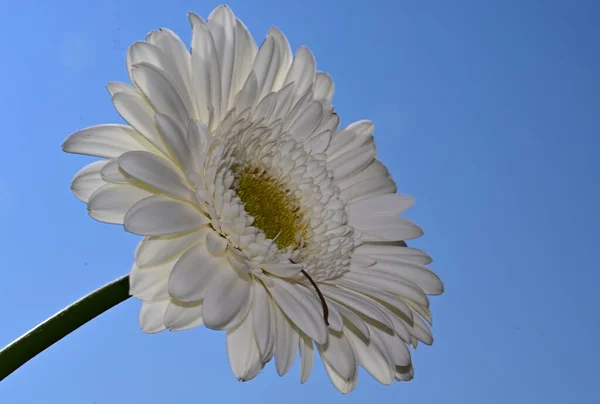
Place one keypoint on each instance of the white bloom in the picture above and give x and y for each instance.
(260, 217)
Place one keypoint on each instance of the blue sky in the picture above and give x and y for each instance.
(486, 112)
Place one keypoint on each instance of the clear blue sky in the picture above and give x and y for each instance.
(487, 112)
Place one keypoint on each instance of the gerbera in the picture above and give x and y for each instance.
(260, 217)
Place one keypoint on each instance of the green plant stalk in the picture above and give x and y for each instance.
(30, 344)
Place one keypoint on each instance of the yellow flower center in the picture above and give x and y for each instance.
(275, 209)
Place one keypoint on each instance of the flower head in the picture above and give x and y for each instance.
(260, 217)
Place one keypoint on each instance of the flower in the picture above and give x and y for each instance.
(259, 216)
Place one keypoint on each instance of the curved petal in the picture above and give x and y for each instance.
(157, 172)
(221, 23)
(391, 283)
(385, 228)
(152, 251)
(261, 318)
(227, 297)
(338, 381)
(393, 204)
(373, 357)
(242, 350)
(324, 88)
(152, 315)
(111, 173)
(283, 270)
(109, 141)
(150, 283)
(111, 202)
(177, 139)
(181, 316)
(193, 272)
(88, 180)
(339, 353)
(160, 92)
(286, 343)
(159, 215)
(139, 114)
(307, 357)
(304, 313)
(302, 71)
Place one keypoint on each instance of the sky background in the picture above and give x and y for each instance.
(487, 112)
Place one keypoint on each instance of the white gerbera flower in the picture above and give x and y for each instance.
(260, 217)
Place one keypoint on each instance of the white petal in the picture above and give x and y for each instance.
(390, 283)
(157, 250)
(375, 170)
(362, 261)
(336, 322)
(160, 92)
(284, 98)
(385, 228)
(373, 357)
(261, 318)
(152, 315)
(378, 294)
(307, 121)
(319, 142)
(177, 139)
(338, 381)
(283, 270)
(377, 251)
(216, 244)
(150, 283)
(157, 172)
(115, 87)
(301, 310)
(285, 56)
(397, 349)
(111, 202)
(367, 189)
(245, 53)
(420, 330)
(416, 273)
(139, 114)
(393, 204)
(353, 136)
(351, 162)
(160, 215)
(302, 71)
(198, 139)
(340, 355)
(111, 173)
(175, 61)
(108, 141)
(221, 23)
(88, 180)
(228, 296)
(193, 272)
(307, 357)
(183, 316)
(247, 96)
(286, 343)
(359, 303)
(206, 71)
(324, 88)
(143, 52)
(266, 66)
(242, 351)
(353, 318)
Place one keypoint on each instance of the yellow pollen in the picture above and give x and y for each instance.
(275, 210)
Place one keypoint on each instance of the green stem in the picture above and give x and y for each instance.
(18, 352)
